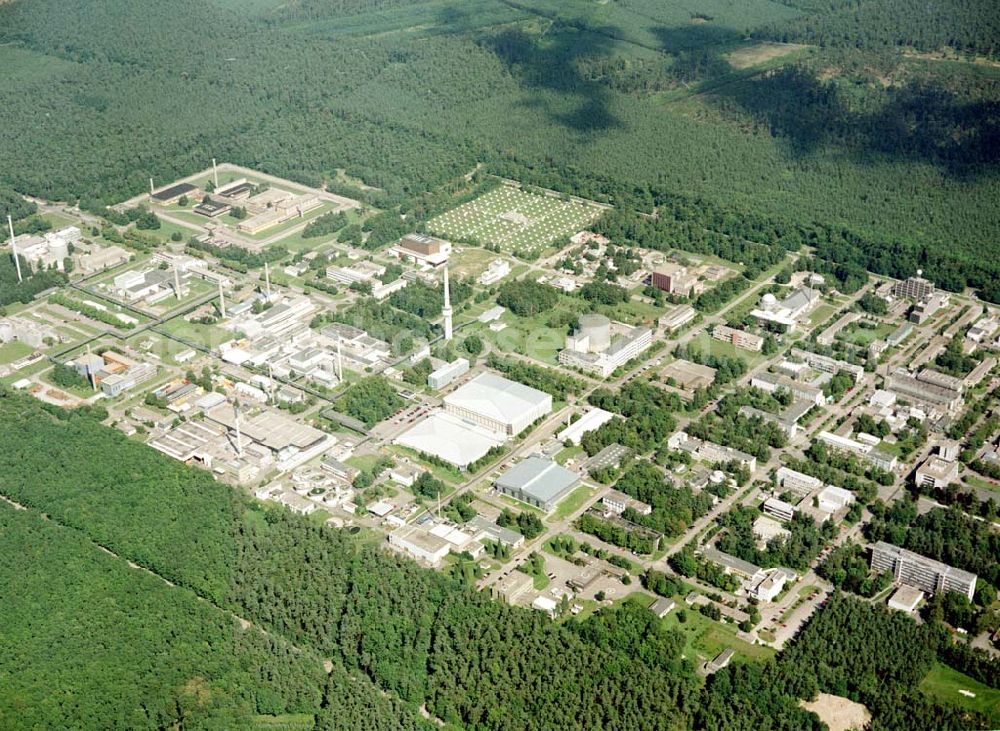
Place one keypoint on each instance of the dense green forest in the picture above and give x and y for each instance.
(398, 636)
(96, 644)
(967, 26)
(634, 102)
(418, 634)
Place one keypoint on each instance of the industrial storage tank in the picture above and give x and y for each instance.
(598, 329)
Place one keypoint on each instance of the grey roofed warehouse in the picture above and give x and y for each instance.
(538, 481)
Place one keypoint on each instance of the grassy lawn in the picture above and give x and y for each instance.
(209, 336)
(943, 683)
(471, 261)
(568, 453)
(9, 352)
(862, 336)
(971, 478)
(633, 312)
(530, 337)
(363, 462)
(571, 503)
(523, 507)
(821, 314)
(449, 475)
(704, 638)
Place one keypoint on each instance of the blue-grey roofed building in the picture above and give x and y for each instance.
(538, 481)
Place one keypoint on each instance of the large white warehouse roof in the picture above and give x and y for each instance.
(497, 398)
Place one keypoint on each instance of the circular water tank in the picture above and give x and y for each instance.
(598, 329)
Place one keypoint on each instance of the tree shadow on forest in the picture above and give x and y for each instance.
(918, 122)
(694, 37)
(549, 63)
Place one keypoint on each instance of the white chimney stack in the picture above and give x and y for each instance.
(13, 248)
(446, 310)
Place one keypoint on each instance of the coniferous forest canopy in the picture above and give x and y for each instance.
(139, 593)
(282, 596)
(878, 158)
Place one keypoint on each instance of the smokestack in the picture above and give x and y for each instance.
(239, 435)
(215, 173)
(13, 248)
(446, 310)
(151, 186)
(222, 301)
(267, 281)
(270, 380)
(340, 363)
(177, 282)
(90, 372)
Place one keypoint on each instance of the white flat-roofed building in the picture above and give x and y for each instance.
(788, 311)
(983, 329)
(905, 599)
(307, 360)
(420, 543)
(450, 438)
(767, 529)
(828, 365)
(876, 457)
(677, 318)
(447, 373)
(381, 291)
(484, 529)
(546, 604)
(498, 404)
(921, 572)
(618, 502)
(766, 586)
(832, 498)
(662, 607)
(497, 270)
(492, 314)
(593, 419)
(356, 345)
(844, 444)
(772, 382)
(778, 509)
(357, 273)
(937, 472)
(512, 587)
(710, 452)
